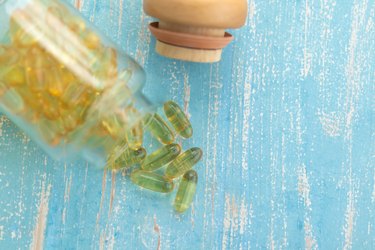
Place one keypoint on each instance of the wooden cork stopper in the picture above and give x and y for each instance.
(194, 30)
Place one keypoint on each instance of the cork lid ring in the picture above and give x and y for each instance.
(194, 30)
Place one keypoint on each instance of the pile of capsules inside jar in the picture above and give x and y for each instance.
(151, 174)
(47, 93)
(54, 80)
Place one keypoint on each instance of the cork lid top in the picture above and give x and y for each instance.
(220, 14)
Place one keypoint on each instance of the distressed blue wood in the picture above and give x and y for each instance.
(286, 121)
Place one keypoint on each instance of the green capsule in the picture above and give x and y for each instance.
(134, 136)
(186, 191)
(159, 129)
(178, 119)
(152, 181)
(183, 163)
(129, 158)
(161, 157)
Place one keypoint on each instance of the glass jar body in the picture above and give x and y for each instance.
(66, 85)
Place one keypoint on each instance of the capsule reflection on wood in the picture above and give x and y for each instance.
(183, 163)
(129, 158)
(178, 119)
(186, 191)
(151, 181)
(159, 129)
(161, 157)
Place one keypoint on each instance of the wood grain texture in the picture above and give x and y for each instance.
(286, 121)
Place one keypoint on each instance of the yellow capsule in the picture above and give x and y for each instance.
(151, 181)
(37, 64)
(13, 75)
(115, 126)
(186, 191)
(134, 136)
(159, 129)
(77, 25)
(129, 158)
(50, 106)
(18, 35)
(70, 120)
(178, 119)
(74, 94)
(183, 163)
(12, 101)
(91, 40)
(56, 87)
(161, 157)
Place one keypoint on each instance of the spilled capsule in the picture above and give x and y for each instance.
(178, 119)
(159, 129)
(183, 163)
(161, 157)
(186, 191)
(151, 181)
(129, 158)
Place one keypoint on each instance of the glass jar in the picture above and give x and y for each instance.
(68, 87)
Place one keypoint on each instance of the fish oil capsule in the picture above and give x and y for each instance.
(14, 75)
(129, 158)
(55, 86)
(159, 129)
(183, 163)
(186, 191)
(178, 119)
(134, 136)
(161, 157)
(92, 40)
(151, 181)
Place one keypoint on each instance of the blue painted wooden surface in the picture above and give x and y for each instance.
(286, 121)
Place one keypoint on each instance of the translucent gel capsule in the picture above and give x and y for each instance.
(134, 136)
(115, 126)
(178, 119)
(37, 64)
(14, 75)
(49, 106)
(183, 163)
(129, 158)
(92, 40)
(159, 129)
(161, 157)
(18, 36)
(54, 83)
(186, 191)
(152, 181)
(69, 120)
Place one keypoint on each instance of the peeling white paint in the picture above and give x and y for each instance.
(41, 219)
(304, 187)
(331, 123)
